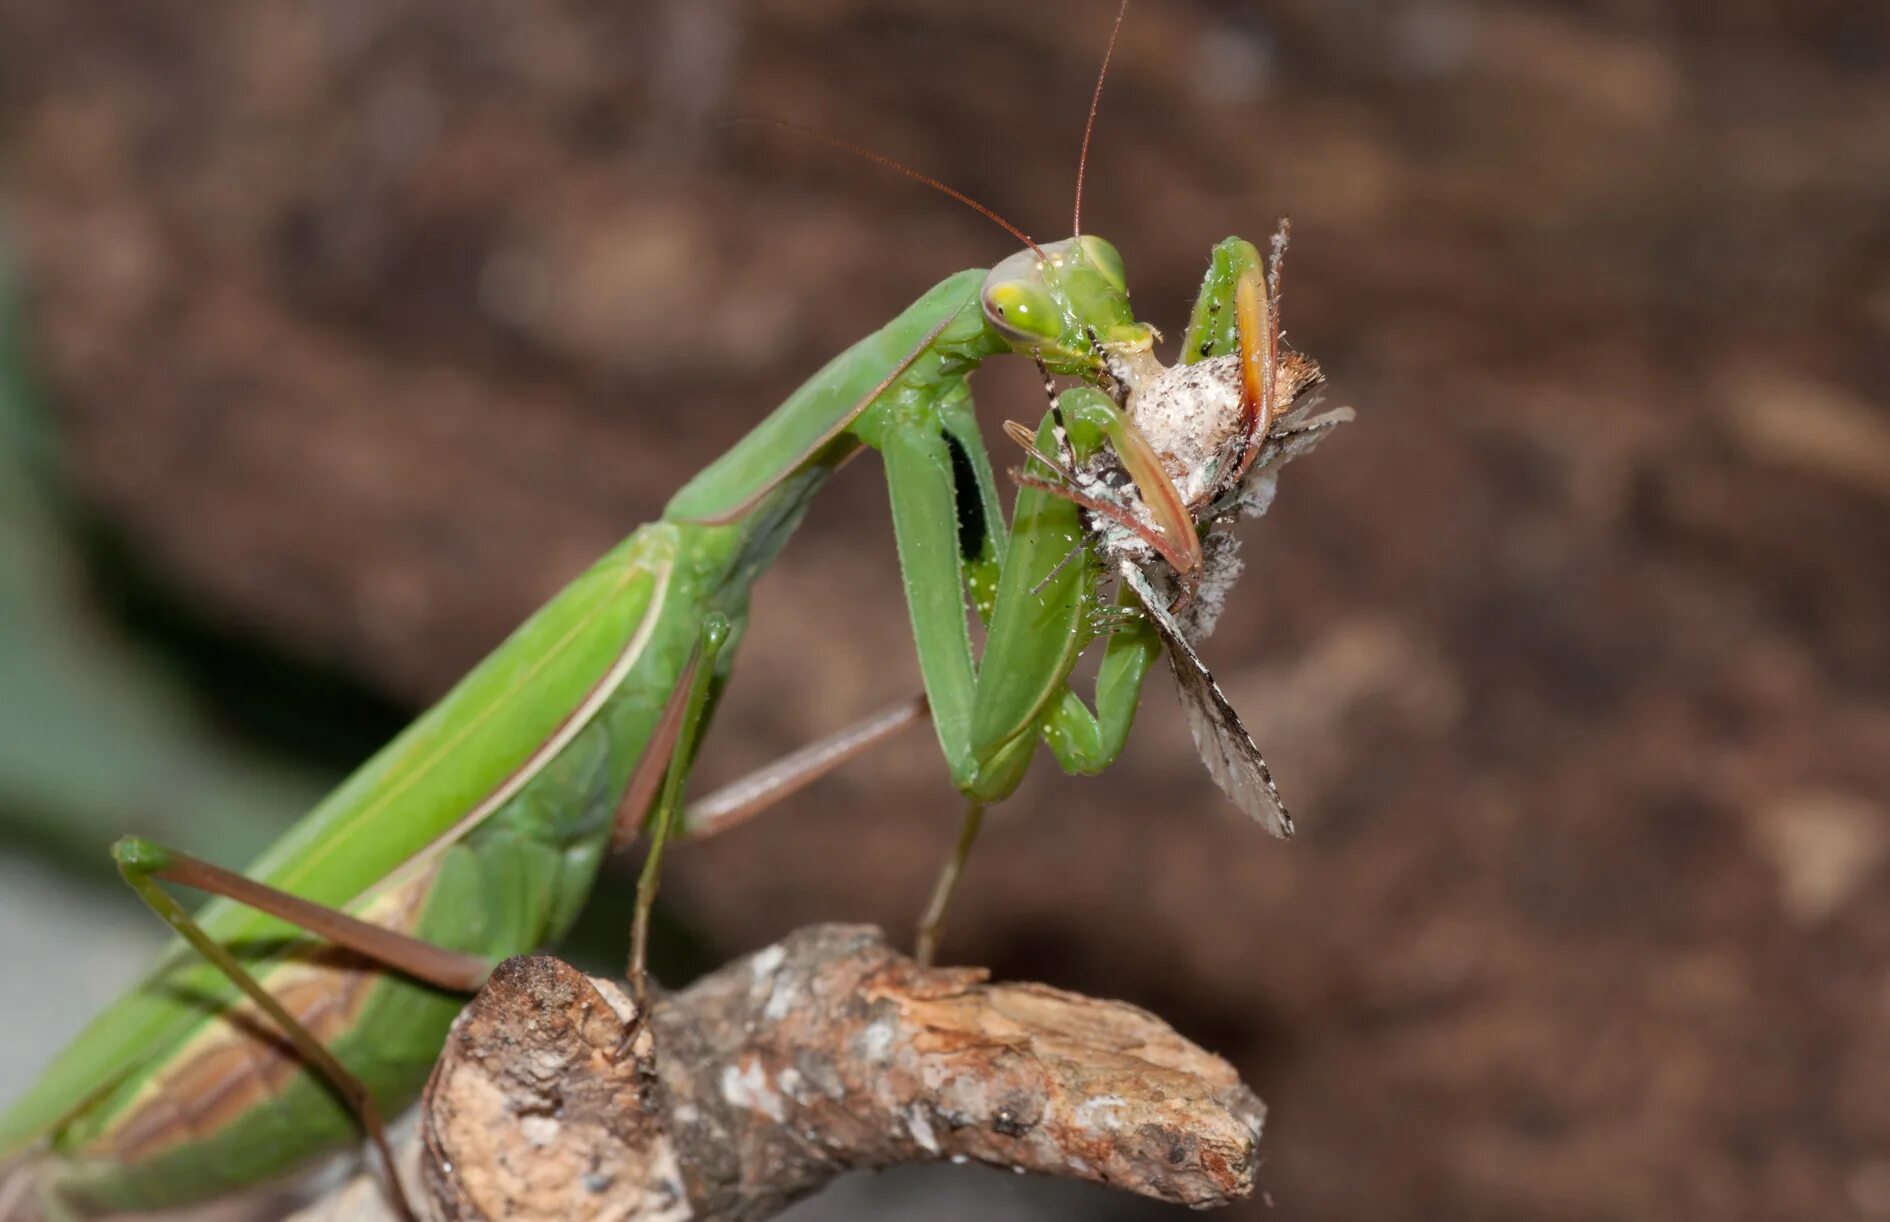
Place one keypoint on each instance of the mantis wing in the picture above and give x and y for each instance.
(478, 744)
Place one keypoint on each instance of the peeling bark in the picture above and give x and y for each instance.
(823, 1054)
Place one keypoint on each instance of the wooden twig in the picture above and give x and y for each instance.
(826, 1053)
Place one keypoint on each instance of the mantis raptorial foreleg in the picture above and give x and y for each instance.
(1086, 742)
(991, 713)
(1036, 608)
(921, 479)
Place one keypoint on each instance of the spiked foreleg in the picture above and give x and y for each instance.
(1086, 742)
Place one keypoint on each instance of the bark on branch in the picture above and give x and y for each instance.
(826, 1053)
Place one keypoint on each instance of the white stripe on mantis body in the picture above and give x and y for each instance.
(580, 717)
(339, 834)
(393, 902)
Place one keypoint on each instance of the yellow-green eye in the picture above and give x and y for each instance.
(1104, 258)
(1022, 309)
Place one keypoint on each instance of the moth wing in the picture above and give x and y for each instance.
(1225, 746)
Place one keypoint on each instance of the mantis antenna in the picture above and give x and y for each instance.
(898, 167)
(1089, 126)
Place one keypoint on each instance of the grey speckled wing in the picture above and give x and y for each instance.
(1226, 748)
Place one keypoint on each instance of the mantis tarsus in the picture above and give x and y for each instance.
(477, 833)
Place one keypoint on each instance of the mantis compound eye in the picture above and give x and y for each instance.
(1102, 256)
(1054, 300)
(1023, 310)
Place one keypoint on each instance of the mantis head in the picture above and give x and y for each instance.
(1067, 302)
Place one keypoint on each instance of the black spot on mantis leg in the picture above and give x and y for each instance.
(965, 495)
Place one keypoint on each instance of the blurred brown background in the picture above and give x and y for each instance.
(360, 326)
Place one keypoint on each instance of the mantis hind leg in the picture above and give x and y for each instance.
(142, 864)
(748, 796)
(16, 1181)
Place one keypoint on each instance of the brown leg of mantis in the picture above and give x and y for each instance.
(143, 863)
(14, 1187)
(742, 799)
(447, 969)
(932, 924)
(633, 812)
(734, 803)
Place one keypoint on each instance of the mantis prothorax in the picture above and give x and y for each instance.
(477, 833)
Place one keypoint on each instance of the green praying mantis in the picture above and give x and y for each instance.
(311, 996)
